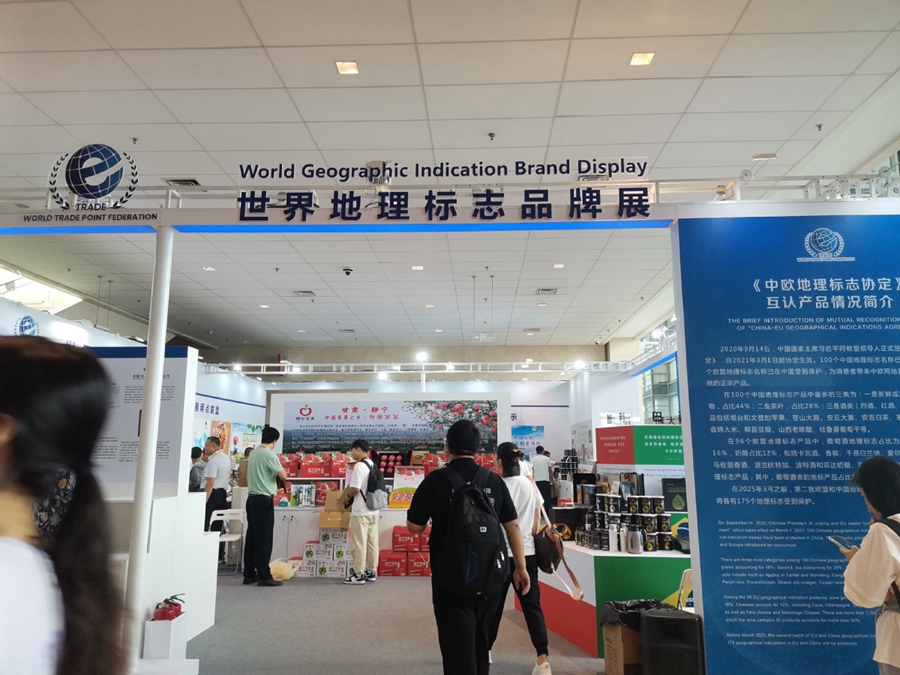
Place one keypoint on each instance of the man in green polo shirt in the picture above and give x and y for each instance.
(262, 470)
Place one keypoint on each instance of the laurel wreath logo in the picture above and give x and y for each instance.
(64, 203)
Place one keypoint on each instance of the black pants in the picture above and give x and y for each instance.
(218, 501)
(543, 487)
(531, 608)
(463, 631)
(258, 543)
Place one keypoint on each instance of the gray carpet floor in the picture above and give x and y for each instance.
(313, 626)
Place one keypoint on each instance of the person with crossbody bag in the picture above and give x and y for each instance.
(873, 568)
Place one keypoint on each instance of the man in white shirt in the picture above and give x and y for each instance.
(363, 522)
(217, 474)
(542, 469)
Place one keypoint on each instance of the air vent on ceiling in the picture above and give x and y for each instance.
(546, 291)
(532, 330)
(346, 330)
(592, 177)
(305, 294)
(183, 182)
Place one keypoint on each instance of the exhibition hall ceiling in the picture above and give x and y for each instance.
(193, 90)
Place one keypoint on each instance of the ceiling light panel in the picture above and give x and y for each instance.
(641, 58)
(347, 67)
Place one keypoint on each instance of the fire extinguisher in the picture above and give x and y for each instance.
(169, 609)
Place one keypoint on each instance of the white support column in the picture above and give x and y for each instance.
(423, 379)
(146, 463)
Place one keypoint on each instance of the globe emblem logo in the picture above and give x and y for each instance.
(26, 326)
(90, 162)
(824, 243)
(93, 173)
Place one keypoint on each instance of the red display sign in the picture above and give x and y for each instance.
(615, 445)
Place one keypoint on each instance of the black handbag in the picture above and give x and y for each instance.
(549, 552)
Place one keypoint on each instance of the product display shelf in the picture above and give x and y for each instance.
(606, 576)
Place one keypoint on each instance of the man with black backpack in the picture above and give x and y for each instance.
(365, 484)
(472, 517)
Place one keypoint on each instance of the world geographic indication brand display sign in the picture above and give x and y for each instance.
(791, 343)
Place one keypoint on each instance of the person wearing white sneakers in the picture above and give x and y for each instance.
(363, 521)
(525, 497)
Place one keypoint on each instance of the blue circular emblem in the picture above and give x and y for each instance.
(90, 162)
(26, 326)
(825, 241)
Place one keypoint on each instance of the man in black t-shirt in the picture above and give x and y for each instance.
(463, 623)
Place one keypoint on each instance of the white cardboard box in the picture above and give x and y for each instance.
(342, 553)
(333, 535)
(331, 569)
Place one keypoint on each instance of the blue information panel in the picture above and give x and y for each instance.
(792, 333)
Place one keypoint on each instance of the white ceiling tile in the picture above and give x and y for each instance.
(885, 59)
(46, 26)
(751, 126)
(379, 66)
(618, 18)
(203, 68)
(694, 172)
(609, 59)
(509, 133)
(853, 92)
(151, 137)
(792, 152)
(4, 88)
(774, 94)
(169, 24)
(493, 62)
(360, 103)
(163, 163)
(640, 151)
(611, 129)
(777, 16)
(491, 100)
(285, 136)
(477, 21)
(230, 105)
(798, 54)
(711, 154)
(829, 120)
(102, 107)
(232, 161)
(372, 135)
(626, 97)
(69, 71)
(15, 109)
(37, 140)
(310, 22)
(14, 183)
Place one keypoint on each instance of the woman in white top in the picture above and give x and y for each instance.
(875, 565)
(524, 496)
(61, 610)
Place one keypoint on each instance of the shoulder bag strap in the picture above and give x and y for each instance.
(368, 463)
(894, 526)
(557, 539)
(452, 475)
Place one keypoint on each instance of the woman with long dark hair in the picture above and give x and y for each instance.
(509, 461)
(873, 568)
(61, 609)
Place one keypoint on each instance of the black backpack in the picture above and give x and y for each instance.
(473, 561)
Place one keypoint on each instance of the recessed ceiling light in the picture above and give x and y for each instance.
(524, 379)
(396, 366)
(529, 333)
(438, 330)
(259, 378)
(237, 367)
(579, 364)
(418, 268)
(450, 366)
(264, 307)
(542, 304)
(525, 365)
(641, 58)
(529, 360)
(301, 331)
(763, 156)
(558, 266)
(429, 306)
(347, 67)
(209, 269)
(295, 369)
(382, 376)
(422, 357)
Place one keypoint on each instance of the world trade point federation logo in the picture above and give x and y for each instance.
(93, 173)
(26, 325)
(824, 245)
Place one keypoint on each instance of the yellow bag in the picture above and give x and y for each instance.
(282, 570)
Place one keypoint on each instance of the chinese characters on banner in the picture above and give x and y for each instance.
(443, 205)
(792, 355)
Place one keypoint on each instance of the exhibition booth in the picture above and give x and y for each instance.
(785, 364)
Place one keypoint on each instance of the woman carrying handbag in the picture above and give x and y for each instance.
(526, 499)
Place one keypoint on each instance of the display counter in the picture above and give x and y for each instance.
(605, 576)
(296, 525)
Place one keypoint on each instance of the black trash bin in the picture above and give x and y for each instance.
(621, 622)
(672, 643)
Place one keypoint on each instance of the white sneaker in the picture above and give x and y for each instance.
(370, 577)
(354, 580)
(543, 669)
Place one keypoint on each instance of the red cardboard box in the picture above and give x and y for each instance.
(404, 540)
(418, 564)
(392, 564)
(423, 540)
(337, 465)
(431, 463)
(313, 466)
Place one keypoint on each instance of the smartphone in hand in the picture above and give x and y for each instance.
(840, 541)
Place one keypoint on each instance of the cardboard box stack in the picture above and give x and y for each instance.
(407, 556)
(329, 556)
